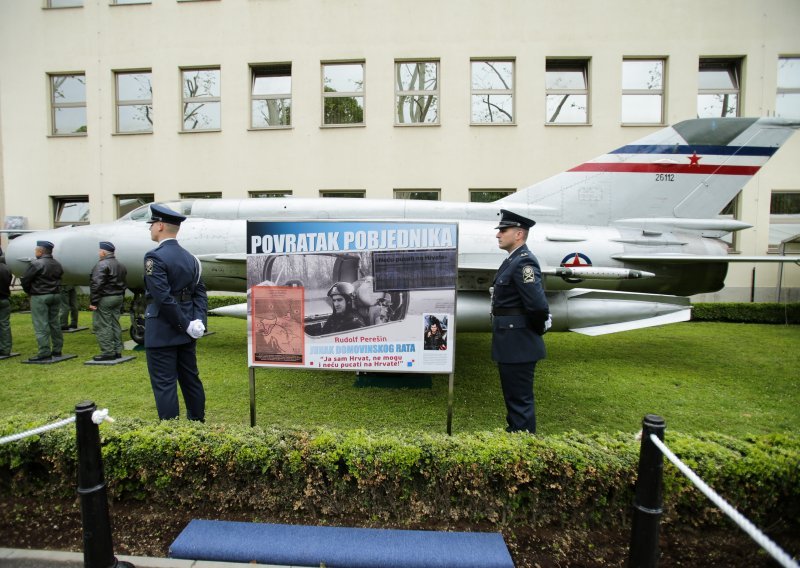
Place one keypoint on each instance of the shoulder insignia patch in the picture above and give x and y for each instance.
(148, 267)
(523, 254)
(528, 275)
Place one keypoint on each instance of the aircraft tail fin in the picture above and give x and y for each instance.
(689, 170)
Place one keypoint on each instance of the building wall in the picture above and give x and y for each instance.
(378, 157)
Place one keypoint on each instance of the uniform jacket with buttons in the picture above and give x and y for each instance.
(518, 288)
(107, 279)
(43, 276)
(175, 293)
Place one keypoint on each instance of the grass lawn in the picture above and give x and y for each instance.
(733, 378)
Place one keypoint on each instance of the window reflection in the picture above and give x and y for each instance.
(642, 91)
(70, 211)
(784, 216)
(134, 102)
(342, 88)
(492, 99)
(417, 92)
(68, 104)
(787, 101)
(271, 104)
(201, 99)
(718, 82)
(566, 99)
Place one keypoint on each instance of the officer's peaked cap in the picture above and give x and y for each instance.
(160, 213)
(45, 244)
(511, 219)
(106, 245)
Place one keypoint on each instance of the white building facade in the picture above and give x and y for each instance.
(105, 104)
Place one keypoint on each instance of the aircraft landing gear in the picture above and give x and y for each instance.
(138, 306)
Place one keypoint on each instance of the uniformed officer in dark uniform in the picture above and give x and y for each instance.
(41, 282)
(107, 285)
(345, 317)
(520, 316)
(5, 307)
(175, 317)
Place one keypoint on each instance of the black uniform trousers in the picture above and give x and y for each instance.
(168, 365)
(516, 380)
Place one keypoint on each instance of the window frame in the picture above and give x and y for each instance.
(143, 199)
(118, 104)
(199, 195)
(275, 194)
(414, 93)
(343, 193)
(398, 194)
(568, 63)
(362, 94)
(55, 106)
(185, 101)
(661, 92)
(255, 68)
(473, 92)
(793, 92)
(735, 64)
(76, 4)
(781, 218)
(473, 191)
(58, 204)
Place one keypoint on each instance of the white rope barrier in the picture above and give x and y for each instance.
(98, 417)
(763, 540)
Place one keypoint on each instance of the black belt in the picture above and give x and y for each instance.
(183, 297)
(509, 312)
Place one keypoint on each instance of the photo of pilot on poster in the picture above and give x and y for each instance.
(352, 295)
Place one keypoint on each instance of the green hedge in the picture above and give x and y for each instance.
(747, 313)
(404, 479)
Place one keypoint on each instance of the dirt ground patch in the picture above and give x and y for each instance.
(147, 529)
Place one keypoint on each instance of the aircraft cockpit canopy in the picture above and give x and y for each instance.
(142, 214)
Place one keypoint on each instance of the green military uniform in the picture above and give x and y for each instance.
(5, 309)
(41, 282)
(106, 293)
(69, 307)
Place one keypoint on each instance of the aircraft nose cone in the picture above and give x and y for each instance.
(20, 252)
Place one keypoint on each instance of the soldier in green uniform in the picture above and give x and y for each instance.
(5, 308)
(106, 293)
(41, 282)
(69, 308)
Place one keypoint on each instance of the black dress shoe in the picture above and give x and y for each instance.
(104, 357)
(64, 327)
(40, 358)
(56, 353)
(73, 326)
(118, 355)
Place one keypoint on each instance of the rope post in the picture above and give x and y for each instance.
(648, 500)
(97, 548)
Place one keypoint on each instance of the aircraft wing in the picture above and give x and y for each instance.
(702, 259)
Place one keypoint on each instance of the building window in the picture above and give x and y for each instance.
(643, 91)
(718, 94)
(787, 102)
(271, 94)
(70, 211)
(567, 91)
(492, 92)
(68, 104)
(732, 211)
(416, 92)
(351, 193)
(134, 101)
(201, 99)
(202, 195)
(119, 2)
(418, 194)
(784, 217)
(488, 195)
(128, 203)
(342, 93)
(270, 194)
(64, 3)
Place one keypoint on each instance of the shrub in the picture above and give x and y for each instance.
(401, 479)
(747, 313)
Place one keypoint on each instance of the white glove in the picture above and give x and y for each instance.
(549, 323)
(196, 329)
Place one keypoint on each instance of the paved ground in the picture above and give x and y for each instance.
(23, 558)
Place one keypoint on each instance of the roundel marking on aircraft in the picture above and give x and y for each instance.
(575, 260)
